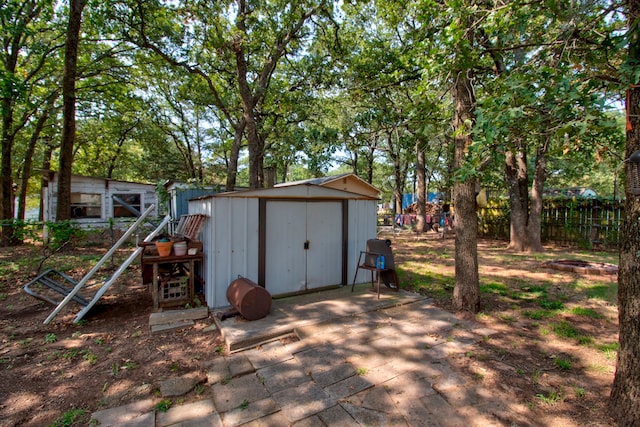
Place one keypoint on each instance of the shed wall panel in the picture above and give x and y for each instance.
(362, 227)
(230, 244)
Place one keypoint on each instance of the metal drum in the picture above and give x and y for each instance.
(253, 302)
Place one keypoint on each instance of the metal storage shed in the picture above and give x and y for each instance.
(289, 239)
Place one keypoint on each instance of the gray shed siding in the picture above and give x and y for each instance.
(230, 244)
(231, 241)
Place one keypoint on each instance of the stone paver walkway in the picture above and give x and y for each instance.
(380, 368)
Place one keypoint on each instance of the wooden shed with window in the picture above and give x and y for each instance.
(290, 239)
(94, 201)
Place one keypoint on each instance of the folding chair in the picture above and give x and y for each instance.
(368, 260)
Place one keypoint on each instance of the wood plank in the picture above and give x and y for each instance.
(172, 316)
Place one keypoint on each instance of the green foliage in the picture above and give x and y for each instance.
(564, 329)
(59, 233)
(586, 312)
(551, 397)
(163, 405)
(538, 314)
(70, 418)
(564, 364)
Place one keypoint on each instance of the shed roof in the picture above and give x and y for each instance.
(297, 191)
(346, 182)
(51, 176)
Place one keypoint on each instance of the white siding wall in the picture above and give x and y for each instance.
(82, 184)
(362, 227)
(230, 243)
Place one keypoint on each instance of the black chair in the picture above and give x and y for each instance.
(368, 260)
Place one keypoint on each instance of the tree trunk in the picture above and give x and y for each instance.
(534, 241)
(466, 293)
(232, 167)
(6, 181)
(63, 211)
(625, 393)
(517, 176)
(44, 181)
(28, 157)
(421, 221)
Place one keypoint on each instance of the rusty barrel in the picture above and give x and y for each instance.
(253, 302)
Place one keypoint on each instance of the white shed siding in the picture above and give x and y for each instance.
(230, 243)
(231, 237)
(362, 227)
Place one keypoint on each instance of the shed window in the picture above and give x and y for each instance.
(122, 211)
(85, 205)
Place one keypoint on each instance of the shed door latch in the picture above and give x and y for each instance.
(306, 245)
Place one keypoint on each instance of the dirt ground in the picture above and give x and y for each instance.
(57, 374)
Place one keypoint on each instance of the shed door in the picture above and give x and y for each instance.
(303, 246)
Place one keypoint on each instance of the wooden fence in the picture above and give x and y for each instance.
(588, 223)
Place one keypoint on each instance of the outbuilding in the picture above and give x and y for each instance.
(95, 201)
(290, 239)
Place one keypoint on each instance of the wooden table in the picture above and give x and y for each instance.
(187, 267)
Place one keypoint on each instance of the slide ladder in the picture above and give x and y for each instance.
(71, 294)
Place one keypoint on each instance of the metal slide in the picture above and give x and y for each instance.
(104, 259)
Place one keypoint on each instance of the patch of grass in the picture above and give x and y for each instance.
(607, 292)
(175, 367)
(610, 350)
(538, 314)
(427, 283)
(244, 405)
(3, 296)
(579, 392)
(361, 371)
(536, 376)
(50, 338)
(163, 405)
(535, 291)
(551, 305)
(586, 312)
(89, 356)
(71, 354)
(494, 288)
(551, 397)
(507, 318)
(585, 340)
(564, 364)
(564, 329)
(69, 418)
(129, 365)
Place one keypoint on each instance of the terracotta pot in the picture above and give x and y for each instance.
(164, 248)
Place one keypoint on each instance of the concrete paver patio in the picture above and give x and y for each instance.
(359, 361)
